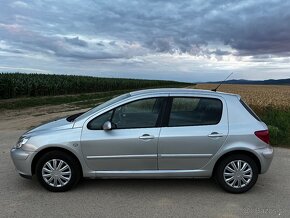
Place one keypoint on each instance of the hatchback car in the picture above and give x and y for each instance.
(155, 133)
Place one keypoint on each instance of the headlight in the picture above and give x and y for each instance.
(21, 141)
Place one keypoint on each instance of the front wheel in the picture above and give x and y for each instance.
(237, 173)
(57, 171)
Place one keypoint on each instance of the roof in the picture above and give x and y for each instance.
(179, 91)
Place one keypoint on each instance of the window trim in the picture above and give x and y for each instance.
(168, 111)
(250, 110)
(159, 120)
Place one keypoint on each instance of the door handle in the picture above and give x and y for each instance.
(146, 137)
(215, 135)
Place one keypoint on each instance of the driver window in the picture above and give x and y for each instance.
(138, 114)
(97, 123)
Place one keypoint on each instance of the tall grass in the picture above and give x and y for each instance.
(278, 121)
(29, 85)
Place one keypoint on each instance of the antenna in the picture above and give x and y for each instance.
(221, 83)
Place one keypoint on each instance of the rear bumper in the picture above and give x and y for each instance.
(265, 156)
(22, 161)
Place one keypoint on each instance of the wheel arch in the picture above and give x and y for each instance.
(45, 150)
(245, 152)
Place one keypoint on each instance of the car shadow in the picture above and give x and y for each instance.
(149, 185)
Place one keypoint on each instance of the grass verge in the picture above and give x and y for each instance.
(278, 121)
(78, 100)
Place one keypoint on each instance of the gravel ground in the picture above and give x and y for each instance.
(142, 198)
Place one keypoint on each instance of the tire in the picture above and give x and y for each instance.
(58, 171)
(247, 176)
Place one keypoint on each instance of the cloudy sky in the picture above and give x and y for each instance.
(193, 40)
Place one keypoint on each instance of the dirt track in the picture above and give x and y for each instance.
(30, 117)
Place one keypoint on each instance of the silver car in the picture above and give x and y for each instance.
(156, 133)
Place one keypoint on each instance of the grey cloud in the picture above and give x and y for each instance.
(250, 27)
(161, 45)
(65, 47)
(20, 4)
(76, 41)
(100, 44)
(220, 52)
(113, 43)
(127, 30)
(253, 27)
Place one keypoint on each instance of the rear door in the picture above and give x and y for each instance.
(195, 129)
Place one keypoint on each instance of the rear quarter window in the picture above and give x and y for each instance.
(250, 110)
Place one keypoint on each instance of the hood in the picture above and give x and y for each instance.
(53, 125)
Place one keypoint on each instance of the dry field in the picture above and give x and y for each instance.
(258, 95)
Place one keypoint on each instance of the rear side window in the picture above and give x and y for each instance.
(194, 111)
(250, 110)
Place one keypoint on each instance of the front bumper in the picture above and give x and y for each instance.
(265, 156)
(22, 161)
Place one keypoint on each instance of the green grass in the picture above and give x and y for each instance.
(79, 100)
(278, 121)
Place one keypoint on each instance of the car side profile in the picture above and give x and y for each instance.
(154, 133)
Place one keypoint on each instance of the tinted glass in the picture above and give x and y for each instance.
(97, 123)
(138, 114)
(195, 111)
(103, 105)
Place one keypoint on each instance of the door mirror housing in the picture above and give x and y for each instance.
(107, 125)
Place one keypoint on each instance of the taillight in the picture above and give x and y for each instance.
(263, 135)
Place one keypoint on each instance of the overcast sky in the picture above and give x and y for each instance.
(195, 40)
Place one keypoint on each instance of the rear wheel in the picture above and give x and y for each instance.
(237, 173)
(57, 171)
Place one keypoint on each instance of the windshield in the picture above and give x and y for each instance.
(101, 106)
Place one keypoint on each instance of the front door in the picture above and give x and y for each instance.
(132, 142)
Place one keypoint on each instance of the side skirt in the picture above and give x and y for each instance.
(152, 174)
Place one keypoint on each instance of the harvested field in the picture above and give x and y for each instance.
(258, 95)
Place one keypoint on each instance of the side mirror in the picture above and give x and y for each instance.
(107, 125)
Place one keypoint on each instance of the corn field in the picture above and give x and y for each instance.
(19, 85)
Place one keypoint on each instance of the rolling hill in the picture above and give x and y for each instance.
(257, 82)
